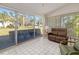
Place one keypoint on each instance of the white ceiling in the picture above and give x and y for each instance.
(68, 8)
(34, 8)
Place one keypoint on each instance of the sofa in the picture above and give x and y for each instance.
(58, 35)
(69, 50)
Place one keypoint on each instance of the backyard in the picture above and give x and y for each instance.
(5, 31)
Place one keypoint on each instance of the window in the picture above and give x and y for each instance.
(71, 23)
(7, 24)
(15, 27)
(7, 20)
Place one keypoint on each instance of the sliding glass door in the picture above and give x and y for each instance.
(39, 24)
(25, 29)
(7, 24)
(71, 22)
(16, 27)
(28, 27)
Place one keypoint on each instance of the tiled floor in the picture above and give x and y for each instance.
(38, 46)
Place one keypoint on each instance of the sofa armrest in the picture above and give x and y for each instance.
(68, 41)
(50, 33)
(63, 49)
(65, 41)
(73, 53)
(72, 41)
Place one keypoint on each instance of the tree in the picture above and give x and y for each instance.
(73, 24)
(5, 17)
(76, 25)
(21, 19)
(12, 16)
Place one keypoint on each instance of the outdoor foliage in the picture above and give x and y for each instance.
(74, 25)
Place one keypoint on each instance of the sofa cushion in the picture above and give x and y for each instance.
(70, 48)
(52, 37)
(64, 34)
(76, 45)
(73, 53)
(59, 31)
(65, 50)
(50, 34)
(60, 38)
(54, 32)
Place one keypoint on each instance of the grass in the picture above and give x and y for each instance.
(5, 31)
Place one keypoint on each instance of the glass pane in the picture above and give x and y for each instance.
(70, 22)
(39, 24)
(25, 28)
(7, 25)
(76, 25)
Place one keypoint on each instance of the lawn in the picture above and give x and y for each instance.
(5, 31)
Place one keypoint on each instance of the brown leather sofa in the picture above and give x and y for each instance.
(58, 35)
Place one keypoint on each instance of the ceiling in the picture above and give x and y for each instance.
(33, 8)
